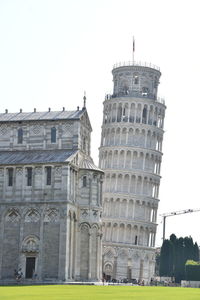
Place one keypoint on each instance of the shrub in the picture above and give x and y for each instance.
(192, 270)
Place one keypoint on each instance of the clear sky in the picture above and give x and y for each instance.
(53, 51)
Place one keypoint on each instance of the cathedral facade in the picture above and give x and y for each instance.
(130, 155)
(50, 197)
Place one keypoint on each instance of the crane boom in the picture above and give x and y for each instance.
(175, 213)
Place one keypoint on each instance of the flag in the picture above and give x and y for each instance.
(133, 45)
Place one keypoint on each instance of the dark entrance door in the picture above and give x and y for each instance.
(30, 266)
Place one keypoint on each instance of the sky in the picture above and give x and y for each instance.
(51, 51)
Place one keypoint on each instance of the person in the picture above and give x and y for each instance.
(18, 274)
(34, 275)
(142, 282)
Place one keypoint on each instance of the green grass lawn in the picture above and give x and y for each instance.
(69, 292)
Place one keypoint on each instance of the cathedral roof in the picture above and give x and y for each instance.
(35, 116)
(88, 164)
(35, 156)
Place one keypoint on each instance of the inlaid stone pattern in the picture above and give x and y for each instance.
(50, 198)
(36, 129)
(4, 129)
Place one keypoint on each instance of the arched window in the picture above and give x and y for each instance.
(136, 240)
(84, 143)
(144, 115)
(84, 181)
(145, 91)
(119, 113)
(20, 136)
(48, 175)
(53, 135)
(10, 177)
(136, 80)
(29, 176)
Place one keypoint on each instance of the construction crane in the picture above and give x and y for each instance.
(175, 213)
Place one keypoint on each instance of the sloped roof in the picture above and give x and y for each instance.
(87, 163)
(35, 156)
(35, 116)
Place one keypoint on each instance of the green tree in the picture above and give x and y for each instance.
(166, 259)
(196, 252)
(174, 254)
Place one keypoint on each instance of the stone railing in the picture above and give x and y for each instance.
(134, 63)
(136, 94)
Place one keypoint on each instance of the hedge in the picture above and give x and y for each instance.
(192, 270)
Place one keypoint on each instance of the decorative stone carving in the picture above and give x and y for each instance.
(109, 255)
(51, 215)
(95, 213)
(108, 269)
(3, 129)
(36, 129)
(68, 128)
(13, 216)
(30, 244)
(38, 171)
(32, 216)
(19, 171)
(58, 171)
(84, 228)
(84, 213)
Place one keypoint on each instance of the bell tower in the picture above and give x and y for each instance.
(130, 155)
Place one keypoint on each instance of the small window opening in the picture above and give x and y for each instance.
(84, 143)
(145, 91)
(144, 115)
(29, 176)
(48, 175)
(124, 112)
(10, 177)
(136, 240)
(20, 136)
(136, 80)
(53, 135)
(84, 181)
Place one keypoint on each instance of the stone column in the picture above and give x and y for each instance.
(40, 256)
(74, 249)
(62, 247)
(90, 256)
(21, 234)
(1, 242)
(68, 247)
(99, 256)
(141, 269)
(71, 246)
(78, 253)
(115, 267)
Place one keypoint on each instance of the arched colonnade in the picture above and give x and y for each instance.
(151, 114)
(130, 159)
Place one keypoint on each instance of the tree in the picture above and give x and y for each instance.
(166, 259)
(196, 252)
(174, 254)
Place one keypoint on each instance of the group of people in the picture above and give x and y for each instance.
(18, 274)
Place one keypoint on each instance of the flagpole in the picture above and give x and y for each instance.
(133, 48)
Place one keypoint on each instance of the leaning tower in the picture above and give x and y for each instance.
(130, 155)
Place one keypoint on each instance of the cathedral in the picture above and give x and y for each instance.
(65, 219)
(50, 197)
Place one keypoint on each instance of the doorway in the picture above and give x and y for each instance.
(30, 266)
